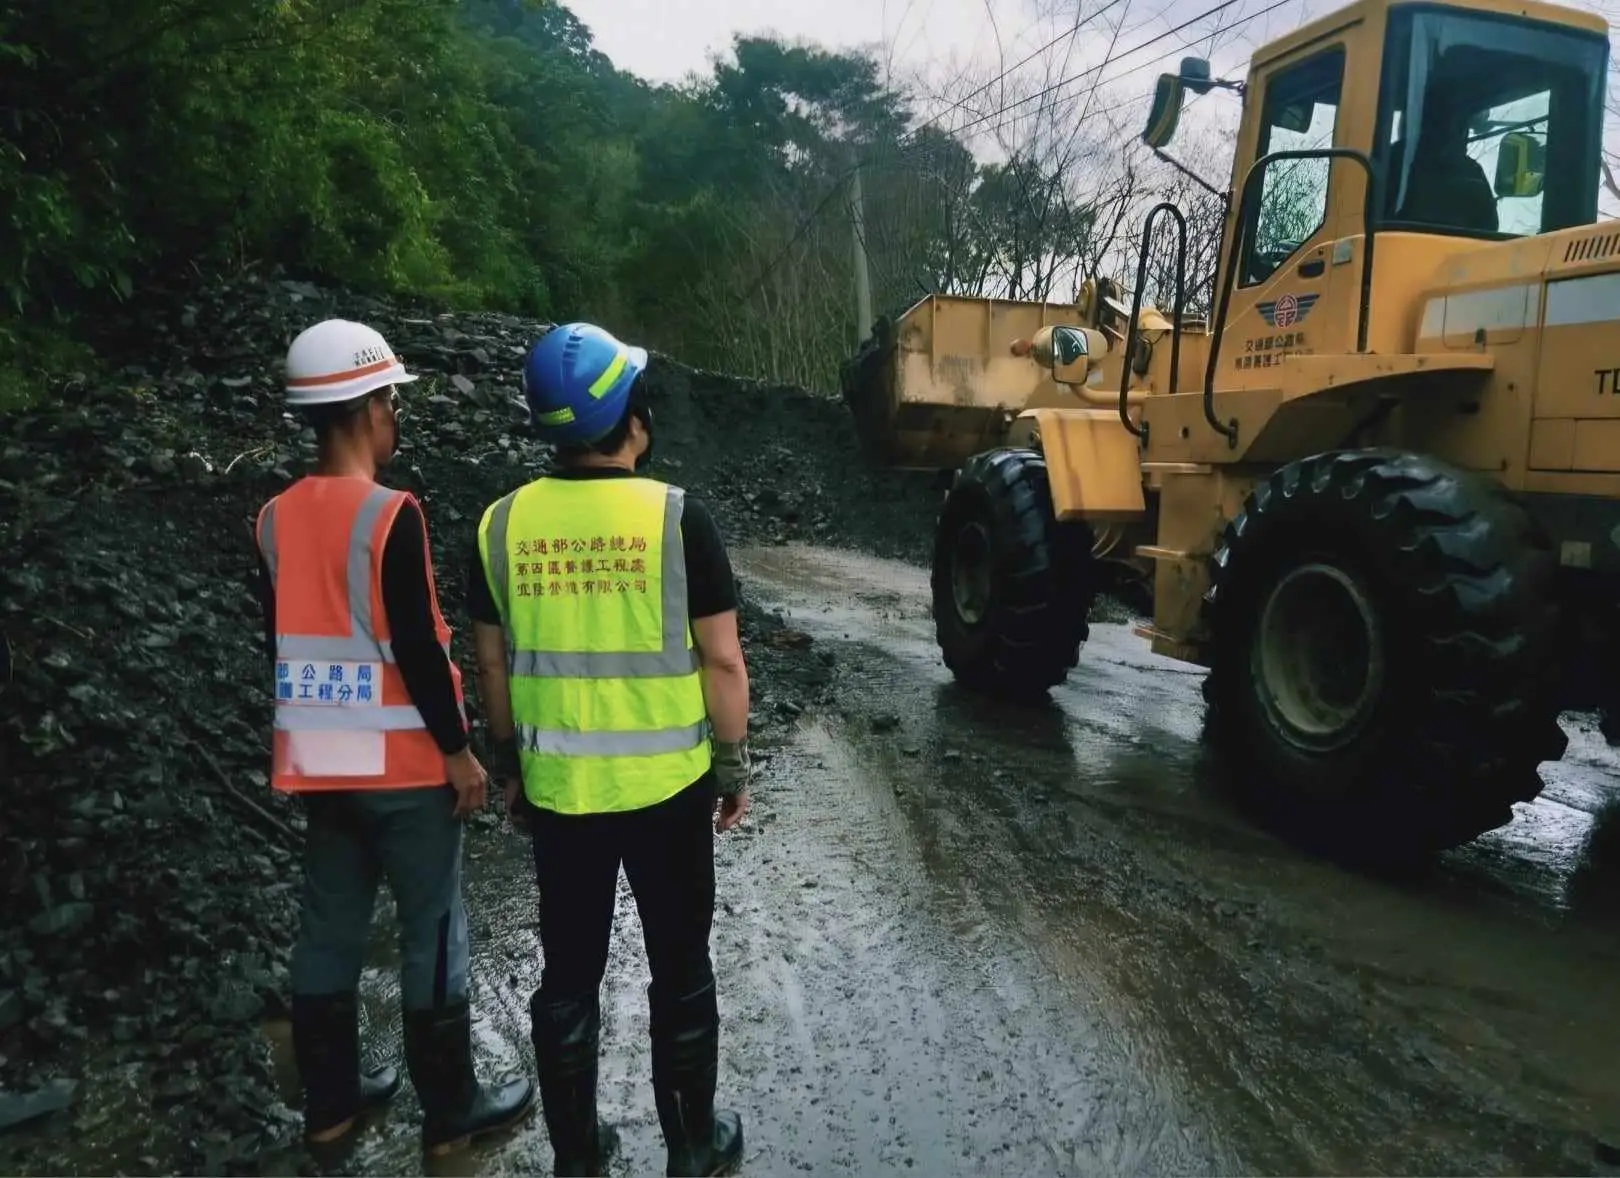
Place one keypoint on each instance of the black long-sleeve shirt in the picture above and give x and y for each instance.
(422, 662)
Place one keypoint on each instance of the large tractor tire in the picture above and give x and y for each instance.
(1384, 652)
(1012, 587)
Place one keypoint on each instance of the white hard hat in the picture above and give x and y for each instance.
(337, 360)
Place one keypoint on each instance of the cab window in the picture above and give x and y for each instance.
(1300, 113)
(1490, 126)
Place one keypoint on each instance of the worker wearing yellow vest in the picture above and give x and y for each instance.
(605, 619)
(370, 732)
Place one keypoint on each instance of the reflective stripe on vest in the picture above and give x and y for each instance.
(364, 733)
(360, 646)
(610, 744)
(604, 726)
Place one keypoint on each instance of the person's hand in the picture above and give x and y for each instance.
(731, 809)
(468, 779)
(514, 803)
(733, 772)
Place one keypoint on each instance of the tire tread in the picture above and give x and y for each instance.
(1479, 578)
(1044, 585)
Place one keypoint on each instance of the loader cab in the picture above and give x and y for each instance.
(1488, 126)
(1480, 121)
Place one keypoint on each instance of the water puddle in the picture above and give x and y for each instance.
(1327, 1020)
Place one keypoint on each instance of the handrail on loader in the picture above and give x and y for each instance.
(1136, 309)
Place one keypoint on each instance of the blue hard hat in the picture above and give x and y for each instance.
(576, 382)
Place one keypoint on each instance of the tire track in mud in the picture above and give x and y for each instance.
(997, 1067)
(873, 1021)
(1323, 1021)
(996, 940)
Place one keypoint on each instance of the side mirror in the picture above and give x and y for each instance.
(1521, 165)
(1072, 353)
(1168, 94)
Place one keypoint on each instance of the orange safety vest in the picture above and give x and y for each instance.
(343, 719)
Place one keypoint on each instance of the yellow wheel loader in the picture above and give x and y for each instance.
(1379, 489)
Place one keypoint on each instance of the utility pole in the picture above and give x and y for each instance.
(863, 279)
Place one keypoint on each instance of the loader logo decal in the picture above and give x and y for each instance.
(1287, 310)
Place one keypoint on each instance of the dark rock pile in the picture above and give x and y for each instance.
(147, 873)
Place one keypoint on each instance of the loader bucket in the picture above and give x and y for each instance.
(939, 384)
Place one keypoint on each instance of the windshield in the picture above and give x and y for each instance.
(1490, 126)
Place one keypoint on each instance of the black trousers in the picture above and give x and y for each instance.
(667, 852)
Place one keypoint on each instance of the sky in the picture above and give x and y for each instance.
(664, 39)
(949, 46)
(941, 50)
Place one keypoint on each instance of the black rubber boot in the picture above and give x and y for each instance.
(326, 1046)
(456, 1108)
(566, 1037)
(685, 1068)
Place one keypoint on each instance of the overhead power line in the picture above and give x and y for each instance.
(1140, 99)
(798, 234)
(909, 140)
(1069, 81)
(1070, 33)
(1091, 94)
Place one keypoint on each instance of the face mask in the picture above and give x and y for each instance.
(393, 428)
(645, 459)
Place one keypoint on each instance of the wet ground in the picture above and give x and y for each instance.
(960, 938)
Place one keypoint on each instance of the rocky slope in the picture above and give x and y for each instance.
(147, 873)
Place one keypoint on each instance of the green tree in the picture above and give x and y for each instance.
(484, 153)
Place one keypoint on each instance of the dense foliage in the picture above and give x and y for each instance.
(483, 153)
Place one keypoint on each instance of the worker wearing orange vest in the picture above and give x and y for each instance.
(371, 734)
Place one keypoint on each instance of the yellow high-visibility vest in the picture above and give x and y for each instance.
(589, 576)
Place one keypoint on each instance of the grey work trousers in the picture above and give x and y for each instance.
(355, 838)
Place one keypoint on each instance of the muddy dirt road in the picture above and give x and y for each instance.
(957, 938)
